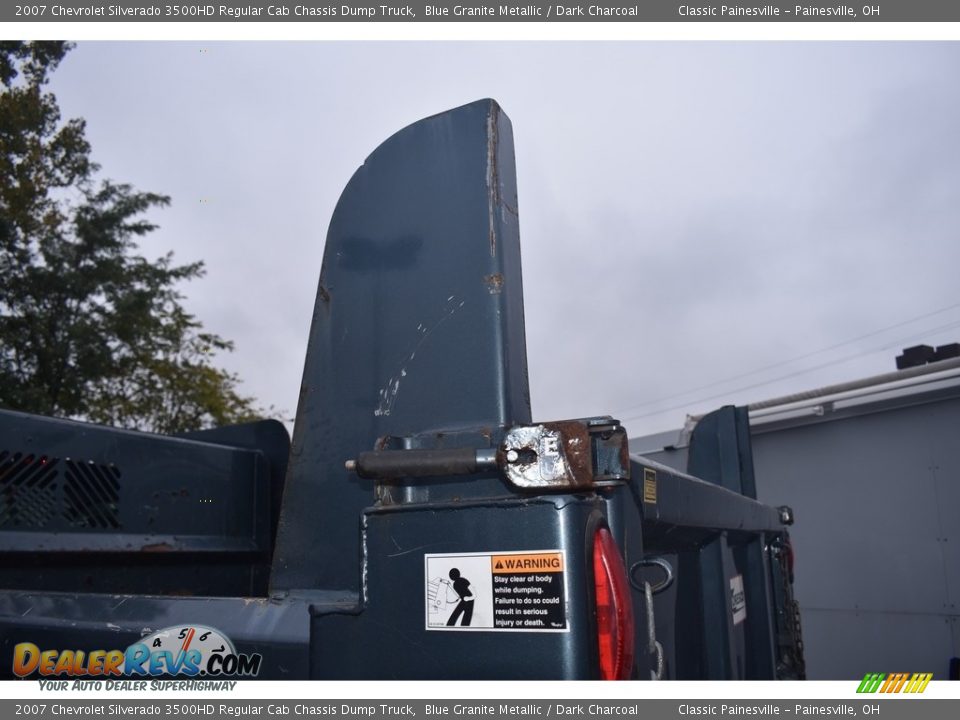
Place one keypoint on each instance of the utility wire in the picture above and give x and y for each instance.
(887, 346)
(781, 363)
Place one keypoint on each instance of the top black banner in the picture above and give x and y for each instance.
(480, 11)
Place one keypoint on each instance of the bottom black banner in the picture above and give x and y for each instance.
(901, 708)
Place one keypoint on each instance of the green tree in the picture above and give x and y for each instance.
(89, 328)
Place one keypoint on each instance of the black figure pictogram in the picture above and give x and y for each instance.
(461, 586)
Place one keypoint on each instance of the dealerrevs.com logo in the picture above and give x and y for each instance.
(190, 650)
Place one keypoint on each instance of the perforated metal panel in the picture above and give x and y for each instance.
(28, 490)
(91, 495)
(43, 492)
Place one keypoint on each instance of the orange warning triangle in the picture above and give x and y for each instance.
(499, 565)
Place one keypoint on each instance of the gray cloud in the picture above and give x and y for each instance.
(716, 207)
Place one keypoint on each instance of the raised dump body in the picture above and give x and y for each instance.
(428, 528)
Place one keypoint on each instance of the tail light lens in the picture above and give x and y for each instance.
(615, 629)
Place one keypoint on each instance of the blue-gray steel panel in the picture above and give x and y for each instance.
(277, 630)
(418, 326)
(386, 638)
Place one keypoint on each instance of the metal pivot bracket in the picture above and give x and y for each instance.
(568, 454)
(564, 455)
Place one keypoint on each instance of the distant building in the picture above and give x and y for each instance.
(872, 471)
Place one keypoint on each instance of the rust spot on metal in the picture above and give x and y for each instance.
(157, 547)
(382, 494)
(323, 294)
(550, 455)
(494, 283)
(263, 602)
(625, 457)
(493, 176)
(576, 448)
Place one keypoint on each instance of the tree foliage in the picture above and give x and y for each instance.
(89, 328)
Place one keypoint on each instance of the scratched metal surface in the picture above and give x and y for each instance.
(393, 615)
(418, 327)
(277, 630)
(89, 508)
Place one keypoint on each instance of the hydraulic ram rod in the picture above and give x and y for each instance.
(392, 464)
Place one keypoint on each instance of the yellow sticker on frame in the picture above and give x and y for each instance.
(650, 486)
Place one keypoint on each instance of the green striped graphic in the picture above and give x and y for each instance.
(894, 682)
(871, 682)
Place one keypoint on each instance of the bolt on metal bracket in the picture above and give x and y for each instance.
(569, 454)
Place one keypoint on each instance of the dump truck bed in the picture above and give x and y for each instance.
(422, 525)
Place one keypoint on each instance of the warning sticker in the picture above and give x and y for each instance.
(650, 486)
(541, 562)
(507, 591)
(738, 599)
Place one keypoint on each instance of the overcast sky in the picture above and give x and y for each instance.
(719, 207)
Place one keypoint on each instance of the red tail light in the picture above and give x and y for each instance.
(614, 609)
